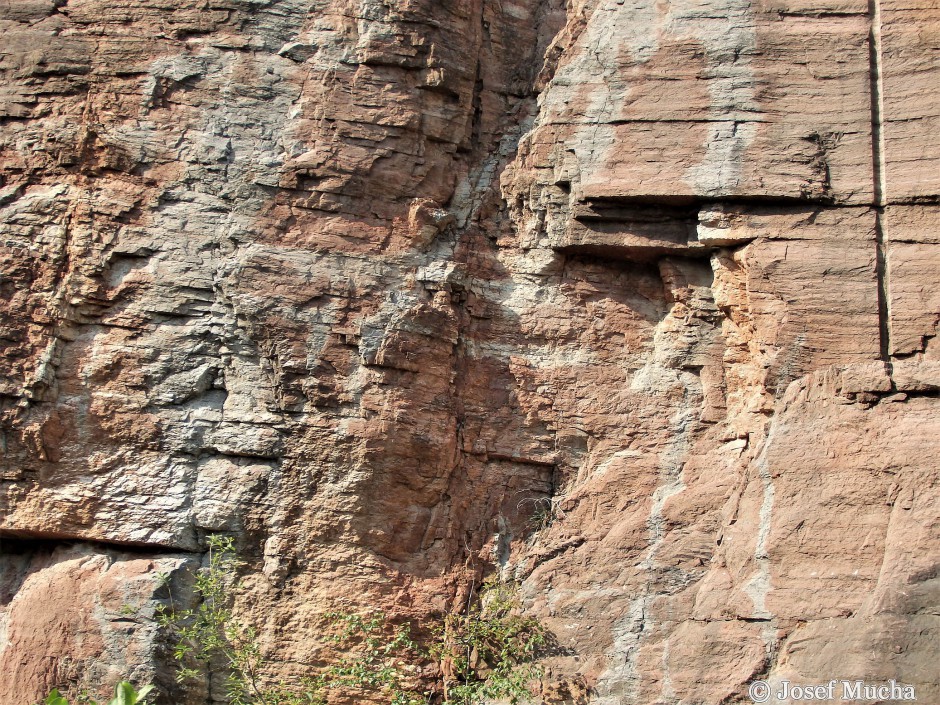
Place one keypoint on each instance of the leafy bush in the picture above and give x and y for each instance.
(487, 651)
(379, 658)
(211, 633)
(124, 694)
(490, 650)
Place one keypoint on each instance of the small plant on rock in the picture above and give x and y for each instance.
(490, 650)
(211, 634)
(542, 515)
(124, 694)
(487, 652)
(378, 658)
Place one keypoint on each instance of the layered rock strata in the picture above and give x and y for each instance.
(371, 285)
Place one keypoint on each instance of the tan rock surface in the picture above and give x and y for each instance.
(365, 284)
(81, 618)
(911, 105)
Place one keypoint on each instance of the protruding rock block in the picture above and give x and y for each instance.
(82, 619)
(913, 261)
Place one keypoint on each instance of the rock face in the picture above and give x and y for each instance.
(369, 285)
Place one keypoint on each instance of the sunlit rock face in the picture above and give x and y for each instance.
(371, 285)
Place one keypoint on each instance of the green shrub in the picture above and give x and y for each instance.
(378, 658)
(488, 651)
(210, 633)
(124, 694)
(54, 698)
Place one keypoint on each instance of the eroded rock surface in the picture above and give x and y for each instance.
(370, 286)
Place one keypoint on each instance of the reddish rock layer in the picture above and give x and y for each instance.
(370, 285)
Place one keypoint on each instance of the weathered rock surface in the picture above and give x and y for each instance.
(368, 285)
(82, 614)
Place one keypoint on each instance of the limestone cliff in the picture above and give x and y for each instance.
(364, 283)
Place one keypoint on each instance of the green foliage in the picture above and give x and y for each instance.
(490, 650)
(378, 657)
(211, 634)
(54, 698)
(124, 694)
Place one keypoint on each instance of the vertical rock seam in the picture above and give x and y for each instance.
(878, 175)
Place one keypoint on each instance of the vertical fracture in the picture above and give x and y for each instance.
(878, 172)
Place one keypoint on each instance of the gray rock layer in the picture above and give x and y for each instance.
(367, 284)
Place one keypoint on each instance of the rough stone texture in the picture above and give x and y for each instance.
(912, 255)
(365, 284)
(911, 108)
(71, 614)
